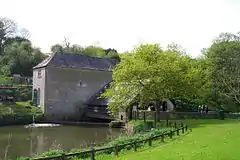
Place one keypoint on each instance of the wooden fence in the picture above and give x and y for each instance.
(176, 130)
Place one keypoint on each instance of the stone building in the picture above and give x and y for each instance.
(67, 86)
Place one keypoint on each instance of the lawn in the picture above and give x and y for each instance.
(209, 140)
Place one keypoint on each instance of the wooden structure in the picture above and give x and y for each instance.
(7, 93)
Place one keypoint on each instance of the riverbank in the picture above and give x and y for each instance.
(210, 139)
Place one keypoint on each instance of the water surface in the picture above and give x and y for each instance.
(18, 141)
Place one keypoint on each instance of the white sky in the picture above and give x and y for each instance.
(123, 24)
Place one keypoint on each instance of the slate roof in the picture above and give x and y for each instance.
(95, 99)
(79, 61)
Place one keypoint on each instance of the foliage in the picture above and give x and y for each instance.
(24, 94)
(149, 73)
(141, 126)
(5, 80)
(115, 124)
(91, 50)
(19, 58)
(224, 55)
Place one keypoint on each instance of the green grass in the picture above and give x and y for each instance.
(209, 140)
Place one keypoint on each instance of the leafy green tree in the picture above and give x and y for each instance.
(224, 55)
(19, 58)
(149, 73)
(89, 50)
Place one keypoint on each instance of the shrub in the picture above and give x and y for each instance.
(50, 153)
(24, 94)
(141, 126)
(115, 124)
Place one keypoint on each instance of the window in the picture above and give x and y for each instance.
(39, 73)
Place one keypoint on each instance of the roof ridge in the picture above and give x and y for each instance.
(79, 60)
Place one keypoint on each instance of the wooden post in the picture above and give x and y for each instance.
(171, 134)
(182, 130)
(178, 132)
(167, 122)
(150, 141)
(186, 127)
(170, 124)
(92, 153)
(135, 146)
(144, 116)
(175, 125)
(181, 124)
(162, 138)
(155, 119)
(116, 150)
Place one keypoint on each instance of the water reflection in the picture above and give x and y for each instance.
(19, 141)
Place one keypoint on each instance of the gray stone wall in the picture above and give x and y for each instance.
(67, 89)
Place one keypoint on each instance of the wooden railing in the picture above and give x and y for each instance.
(181, 129)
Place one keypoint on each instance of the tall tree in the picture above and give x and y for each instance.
(7, 29)
(224, 54)
(19, 58)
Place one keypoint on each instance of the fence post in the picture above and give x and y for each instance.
(162, 138)
(182, 130)
(155, 119)
(170, 124)
(186, 127)
(182, 124)
(116, 150)
(135, 146)
(175, 125)
(150, 141)
(144, 116)
(178, 131)
(167, 122)
(92, 153)
(171, 134)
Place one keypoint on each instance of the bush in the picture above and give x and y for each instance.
(141, 126)
(137, 137)
(115, 124)
(19, 113)
(24, 94)
(5, 80)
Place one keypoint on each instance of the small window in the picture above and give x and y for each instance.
(39, 73)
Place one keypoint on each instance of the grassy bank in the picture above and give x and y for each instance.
(210, 140)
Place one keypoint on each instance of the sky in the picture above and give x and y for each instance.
(124, 24)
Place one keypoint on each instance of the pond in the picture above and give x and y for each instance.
(18, 141)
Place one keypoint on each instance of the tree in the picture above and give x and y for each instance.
(91, 50)
(7, 29)
(19, 58)
(224, 55)
(149, 73)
